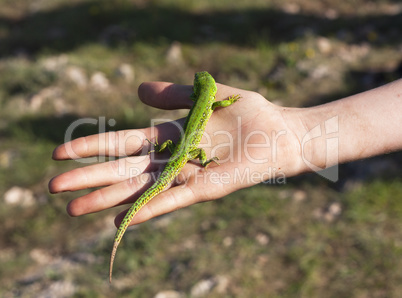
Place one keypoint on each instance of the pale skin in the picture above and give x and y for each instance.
(266, 140)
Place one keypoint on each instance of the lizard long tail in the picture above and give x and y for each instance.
(165, 179)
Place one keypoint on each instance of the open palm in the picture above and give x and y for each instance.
(251, 138)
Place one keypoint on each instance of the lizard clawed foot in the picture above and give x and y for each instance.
(234, 98)
(213, 159)
(154, 144)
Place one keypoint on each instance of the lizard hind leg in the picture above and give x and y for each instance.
(207, 162)
(162, 147)
(201, 155)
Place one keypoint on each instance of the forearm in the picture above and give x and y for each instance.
(356, 127)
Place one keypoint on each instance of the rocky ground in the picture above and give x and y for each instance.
(65, 60)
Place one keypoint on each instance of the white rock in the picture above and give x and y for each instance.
(331, 14)
(222, 284)
(203, 287)
(318, 213)
(6, 158)
(40, 256)
(333, 212)
(37, 100)
(284, 194)
(189, 244)
(174, 54)
(83, 258)
(320, 72)
(299, 195)
(59, 289)
(328, 214)
(60, 106)
(7, 254)
(99, 82)
(126, 72)
(227, 241)
(324, 45)
(55, 63)
(169, 294)
(353, 52)
(335, 209)
(77, 76)
(19, 196)
(262, 239)
(291, 8)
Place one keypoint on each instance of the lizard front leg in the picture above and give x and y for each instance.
(226, 102)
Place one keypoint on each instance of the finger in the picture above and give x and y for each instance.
(225, 91)
(168, 201)
(117, 194)
(167, 96)
(130, 142)
(102, 174)
(118, 143)
(186, 194)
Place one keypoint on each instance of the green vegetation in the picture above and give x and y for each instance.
(63, 60)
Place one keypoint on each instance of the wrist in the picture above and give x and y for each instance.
(316, 134)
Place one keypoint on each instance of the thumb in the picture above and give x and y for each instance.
(167, 96)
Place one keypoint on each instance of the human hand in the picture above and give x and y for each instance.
(254, 139)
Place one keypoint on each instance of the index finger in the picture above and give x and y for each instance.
(132, 142)
(116, 143)
(128, 142)
(120, 143)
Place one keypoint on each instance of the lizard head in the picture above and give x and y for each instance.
(203, 78)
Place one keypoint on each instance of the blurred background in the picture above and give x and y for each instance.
(68, 59)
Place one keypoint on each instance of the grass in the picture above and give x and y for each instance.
(258, 240)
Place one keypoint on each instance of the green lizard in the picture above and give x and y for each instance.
(203, 95)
